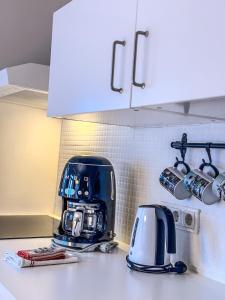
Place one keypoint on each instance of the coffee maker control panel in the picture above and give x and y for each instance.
(77, 186)
(82, 186)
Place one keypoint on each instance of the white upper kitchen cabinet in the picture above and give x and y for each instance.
(85, 32)
(183, 56)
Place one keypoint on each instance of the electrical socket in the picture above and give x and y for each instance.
(186, 218)
(176, 215)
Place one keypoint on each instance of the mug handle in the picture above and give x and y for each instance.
(205, 164)
(180, 162)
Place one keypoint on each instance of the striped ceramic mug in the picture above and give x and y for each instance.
(218, 186)
(199, 184)
(172, 180)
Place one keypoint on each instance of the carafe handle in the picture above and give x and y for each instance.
(77, 223)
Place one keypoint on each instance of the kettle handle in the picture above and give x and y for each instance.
(165, 230)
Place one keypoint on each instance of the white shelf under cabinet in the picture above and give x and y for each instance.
(181, 113)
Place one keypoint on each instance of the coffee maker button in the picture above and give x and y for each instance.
(79, 193)
(86, 193)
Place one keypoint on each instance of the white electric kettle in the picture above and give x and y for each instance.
(153, 240)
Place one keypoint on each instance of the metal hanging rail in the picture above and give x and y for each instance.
(183, 144)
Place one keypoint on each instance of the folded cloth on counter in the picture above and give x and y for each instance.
(20, 262)
(45, 253)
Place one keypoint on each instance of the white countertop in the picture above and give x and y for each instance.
(98, 276)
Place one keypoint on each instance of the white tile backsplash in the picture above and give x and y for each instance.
(139, 156)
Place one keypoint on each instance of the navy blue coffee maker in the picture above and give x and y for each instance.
(88, 194)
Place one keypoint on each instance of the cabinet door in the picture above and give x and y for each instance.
(183, 58)
(84, 32)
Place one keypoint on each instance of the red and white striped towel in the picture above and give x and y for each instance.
(40, 257)
(42, 254)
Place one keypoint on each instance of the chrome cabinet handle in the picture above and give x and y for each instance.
(115, 43)
(138, 33)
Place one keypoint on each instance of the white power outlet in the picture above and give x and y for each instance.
(186, 218)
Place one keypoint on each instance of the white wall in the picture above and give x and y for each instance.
(139, 156)
(29, 150)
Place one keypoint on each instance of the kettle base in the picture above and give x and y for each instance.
(178, 268)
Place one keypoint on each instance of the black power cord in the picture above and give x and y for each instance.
(178, 268)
